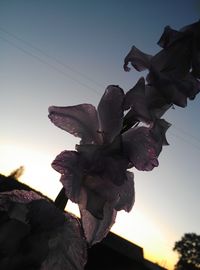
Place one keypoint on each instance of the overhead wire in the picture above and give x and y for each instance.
(188, 134)
(185, 140)
(51, 57)
(49, 64)
(33, 55)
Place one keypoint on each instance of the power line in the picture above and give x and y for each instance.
(188, 134)
(78, 72)
(197, 147)
(51, 57)
(49, 64)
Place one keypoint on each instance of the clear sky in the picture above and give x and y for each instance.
(66, 53)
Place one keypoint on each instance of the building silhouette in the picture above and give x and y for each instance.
(117, 253)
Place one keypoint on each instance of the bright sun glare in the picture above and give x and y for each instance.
(136, 226)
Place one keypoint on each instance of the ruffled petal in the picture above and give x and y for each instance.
(67, 247)
(157, 103)
(139, 60)
(135, 92)
(187, 39)
(110, 112)
(175, 91)
(136, 100)
(96, 191)
(189, 86)
(96, 229)
(99, 190)
(115, 169)
(143, 145)
(34, 232)
(158, 132)
(81, 121)
(105, 160)
(196, 60)
(175, 60)
(169, 36)
(168, 88)
(68, 163)
(194, 31)
(126, 194)
(192, 28)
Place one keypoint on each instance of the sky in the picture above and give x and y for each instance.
(66, 53)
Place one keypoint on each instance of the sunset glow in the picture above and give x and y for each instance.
(136, 227)
(66, 53)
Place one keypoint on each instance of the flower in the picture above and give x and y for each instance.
(95, 176)
(144, 144)
(35, 234)
(144, 103)
(175, 70)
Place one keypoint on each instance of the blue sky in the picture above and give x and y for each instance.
(66, 53)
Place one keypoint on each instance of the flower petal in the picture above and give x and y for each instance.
(34, 232)
(110, 112)
(136, 100)
(139, 60)
(96, 229)
(196, 62)
(169, 36)
(126, 194)
(80, 120)
(143, 145)
(189, 86)
(168, 88)
(99, 190)
(106, 160)
(68, 164)
(67, 247)
(157, 103)
(96, 191)
(159, 130)
(175, 60)
(192, 28)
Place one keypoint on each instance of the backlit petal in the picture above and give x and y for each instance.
(110, 112)
(136, 100)
(80, 120)
(69, 165)
(139, 60)
(126, 194)
(141, 148)
(96, 229)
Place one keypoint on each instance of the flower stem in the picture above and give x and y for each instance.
(61, 200)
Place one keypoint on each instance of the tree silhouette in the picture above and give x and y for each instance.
(189, 252)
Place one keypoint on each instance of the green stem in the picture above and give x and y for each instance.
(61, 200)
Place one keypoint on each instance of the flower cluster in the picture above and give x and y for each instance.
(174, 72)
(126, 130)
(35, 234)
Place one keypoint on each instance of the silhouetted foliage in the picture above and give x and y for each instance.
(189, 252)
